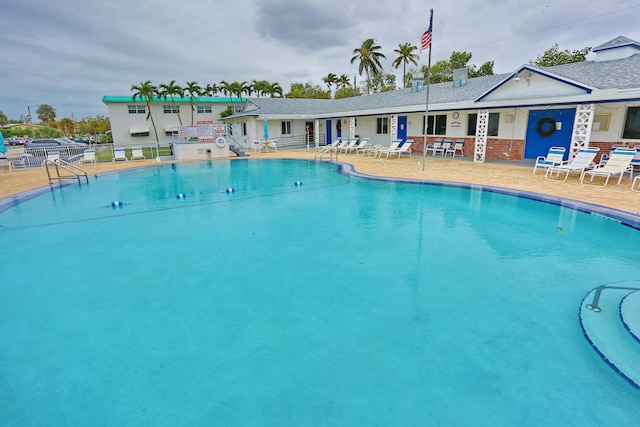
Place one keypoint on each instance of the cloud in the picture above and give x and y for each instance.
(71, 54)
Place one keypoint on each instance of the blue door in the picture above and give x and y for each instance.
(402, 128)
(546, 129)
(328, 139)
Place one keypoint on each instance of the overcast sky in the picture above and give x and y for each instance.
(71, 53)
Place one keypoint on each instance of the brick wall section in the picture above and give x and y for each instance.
(502, 149)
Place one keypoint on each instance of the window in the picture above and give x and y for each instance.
(601, 122)
(137, 109)
(440, 125)
(382, 125)
(171, 109)
(632, 124)
(244, 128)
(204, 109)
(140, 134)
(286, 128)
(492, 127)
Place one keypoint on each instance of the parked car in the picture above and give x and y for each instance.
(53, 142)
(81, 139)
(13, 141)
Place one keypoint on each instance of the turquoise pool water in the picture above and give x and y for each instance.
(343, 301)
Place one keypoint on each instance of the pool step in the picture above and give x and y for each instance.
(630, 314)
(607, 334)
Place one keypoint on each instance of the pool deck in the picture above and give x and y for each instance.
(512, 175)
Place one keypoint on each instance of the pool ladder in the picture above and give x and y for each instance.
(75, 171)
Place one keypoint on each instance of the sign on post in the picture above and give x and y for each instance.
(205, 131)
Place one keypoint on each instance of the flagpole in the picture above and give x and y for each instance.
(426, 108)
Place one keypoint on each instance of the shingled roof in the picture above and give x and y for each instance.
(614, 74)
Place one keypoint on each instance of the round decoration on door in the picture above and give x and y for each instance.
(546, 126)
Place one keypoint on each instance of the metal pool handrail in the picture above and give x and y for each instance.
(73, 169)
(596, 297)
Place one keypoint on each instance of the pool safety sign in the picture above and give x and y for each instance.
(188, 132)
(205, 131)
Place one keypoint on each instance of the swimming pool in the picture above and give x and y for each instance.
(341, 301)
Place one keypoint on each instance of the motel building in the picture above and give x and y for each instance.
(513, 116)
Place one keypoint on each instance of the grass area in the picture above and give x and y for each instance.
(149, 153)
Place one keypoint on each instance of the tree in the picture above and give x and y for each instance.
(442, 71)
(46, 113)
(211, 89)
(553, 56)
(260, 87)
(330, 79)
(97, 125)
(275, 89)
(67, 125)
(347, 92)
(146, 91)
(3, 119)
(172, 90)
(343, 82)
(192, 89)
(405, 56)
(369, 58)
(307, 90)
(383, 82)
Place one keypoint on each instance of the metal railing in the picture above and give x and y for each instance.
(596, 297)
(75, 171)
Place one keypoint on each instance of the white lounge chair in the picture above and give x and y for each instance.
(402, 149)
(636, 181)
(137, 153)
(583, 160)
(119, 155)
(395, 144)
(350, 146)
(554, 157)
(361, 145)
(618, 164)
(88, 156)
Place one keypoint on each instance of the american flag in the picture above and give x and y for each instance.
(425, 40)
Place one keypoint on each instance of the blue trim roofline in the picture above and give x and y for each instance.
(587, 89)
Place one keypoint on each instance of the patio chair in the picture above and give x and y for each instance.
(273, 144)
(457, 146)
(88, 156)
(137, 154)
(5, 163)
(583, 160)
(446, 145)
(554, 157)
(119, 155)
(391, 148)
(257, 146)
(436, 147)
(636, 181)
(53, 156)
(618, 164)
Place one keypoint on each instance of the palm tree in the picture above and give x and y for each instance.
(343, 81)
(274, 89)
(405, 56)
(146, 91)
(369, 58)
(225, 87)
(172, 90)
(194, 90)
(211, 89)
(260, 87)
(330, 79)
